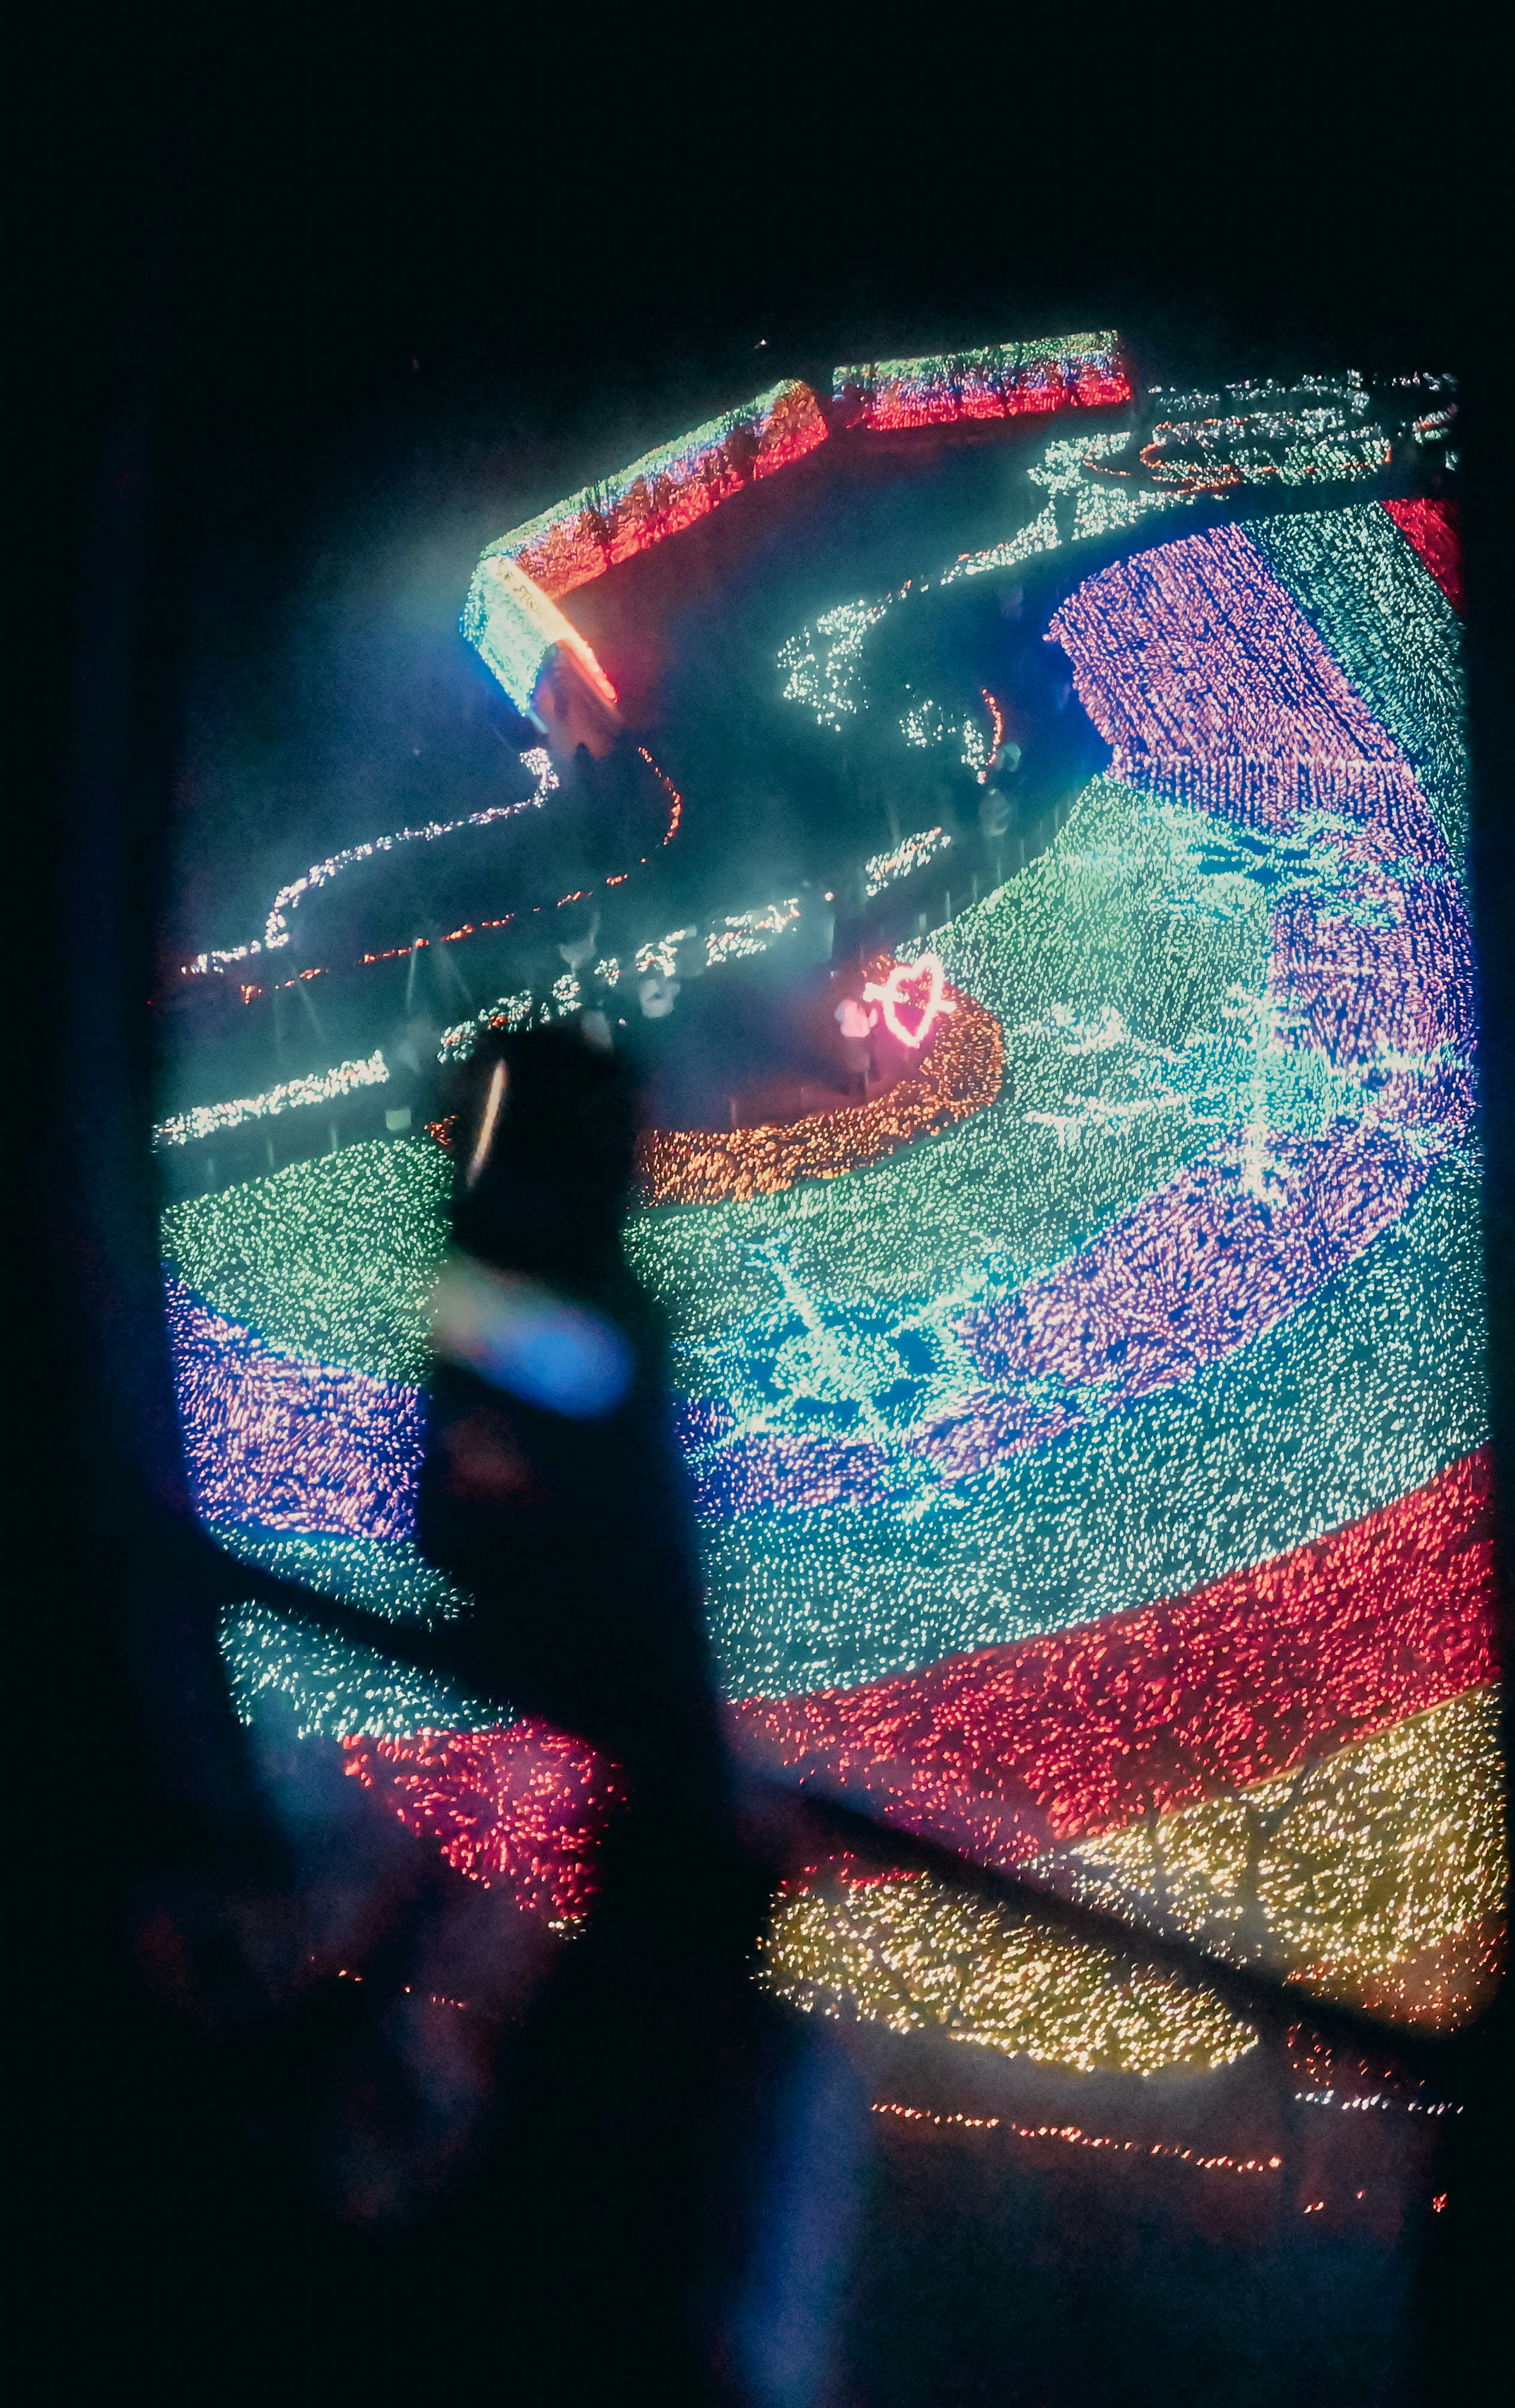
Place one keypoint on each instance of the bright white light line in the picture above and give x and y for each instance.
(321, 1088)
(491, 1113)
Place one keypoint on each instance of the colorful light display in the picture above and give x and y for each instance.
(911, 1954)
(1005, 381)
(322, 1087)
(523, 1806)
(885, 869)
(1343, 1875)
(511, 615)
(286, 1444)
(1308, 434)
(1088, 1434)
(663, 492)
(1352, 1872)
(1364, 1394)
(1432, 528)
(1082, 1730)
(1381, 616)
(334, 1258)
(901, 989)
(514, 626)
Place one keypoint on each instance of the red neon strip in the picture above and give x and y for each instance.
(1080, 1730)
(1435, 530)
(1038, 386)
(584, 544)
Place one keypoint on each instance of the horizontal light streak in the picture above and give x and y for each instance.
(321, 1088)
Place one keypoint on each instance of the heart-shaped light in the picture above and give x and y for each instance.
(895, 991)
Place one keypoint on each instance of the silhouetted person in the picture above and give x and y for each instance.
(644, 2080)
(552, 1487)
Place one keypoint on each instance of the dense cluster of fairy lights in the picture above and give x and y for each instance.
(663, 492)
(958, 1076)
(332, 1258)
(519, 632)
(1087, 1730)
(524, 1807)
(321, 1088)
(1184, 1304)
(1251, 433)
(1277, 1097)
(912, 1953)
(1358, 1871)
(885, 869)
(1354, 1875)
(331, 1688)
(1073, 2136)
(1006, 381)
(1433, 530)
(1403, 649)
(288, 1444)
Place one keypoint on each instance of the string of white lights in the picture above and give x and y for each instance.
(321, 1088)
(277, 929)
(884, 869)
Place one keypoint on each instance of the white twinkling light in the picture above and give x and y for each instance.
(321, 1088)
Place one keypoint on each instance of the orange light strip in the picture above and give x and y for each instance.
(960, 1076)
